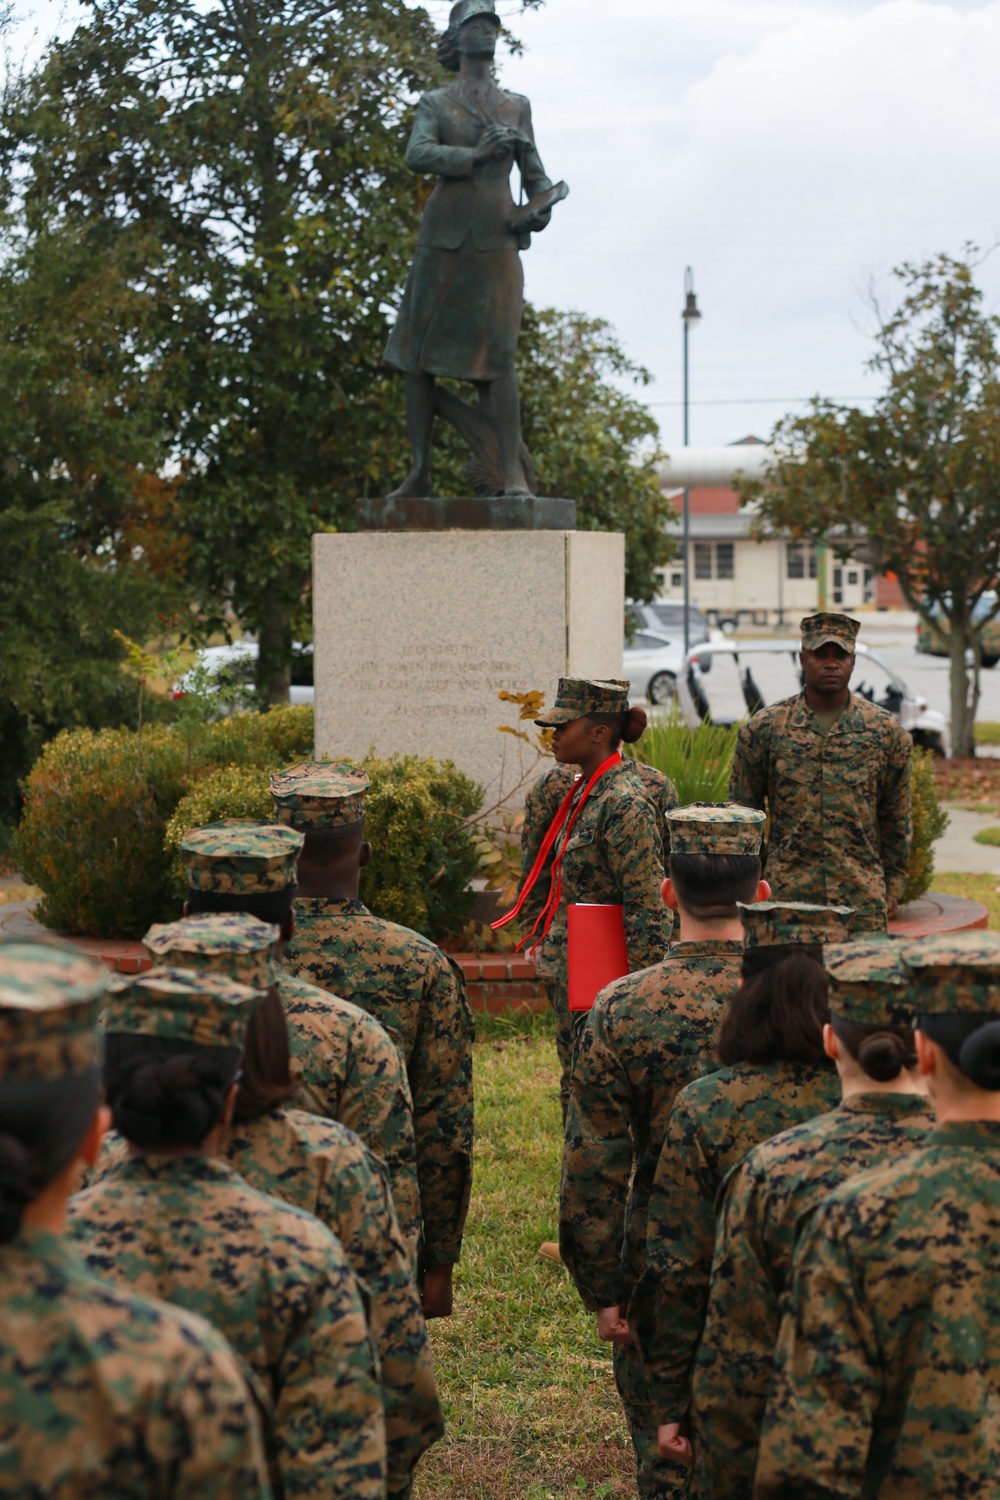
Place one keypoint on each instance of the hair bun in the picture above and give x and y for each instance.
(635, 725)
(884, 1056)
(979, 1058)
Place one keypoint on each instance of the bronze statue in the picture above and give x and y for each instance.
(461, 311)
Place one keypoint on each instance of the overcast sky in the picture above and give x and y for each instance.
(790, 151)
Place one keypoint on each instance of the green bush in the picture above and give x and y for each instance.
(697, 761)
(91, 835)
(230, 792)
(929, 822)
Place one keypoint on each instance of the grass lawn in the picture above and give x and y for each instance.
(529, 1396)
(984, 888)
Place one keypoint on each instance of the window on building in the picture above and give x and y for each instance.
(703, 559)
(677, 580)
(800, 560)
(724, 560)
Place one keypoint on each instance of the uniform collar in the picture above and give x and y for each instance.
(721, 947)
(148, 1165)
(983, 1134)
(320, 906)
(807, 716)
(901, 1105)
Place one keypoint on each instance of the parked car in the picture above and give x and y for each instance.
(932, 640)
(751, 675)
(651, 662)
(231, 670)
(666, 617)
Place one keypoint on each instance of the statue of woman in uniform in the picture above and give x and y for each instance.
(461, 311)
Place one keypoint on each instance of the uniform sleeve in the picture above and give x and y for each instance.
(825, 1385)
(328, 1406)
(669, 1308)
(895, 813)
(634, 852)
(733, 1368)
(597, 1164)
(425, 153)
(210, 1431)
(748, 780)
(441, 1084)
(377, 1252)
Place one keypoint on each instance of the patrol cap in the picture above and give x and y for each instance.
(782, 924)
(320, 794)
(715, 828)
(466, 9)
(232, 944)
(955, 974)
(577, 697)
(181, 1005)
(241, 857)
(50, 998)
(817, 630)
(868, 982)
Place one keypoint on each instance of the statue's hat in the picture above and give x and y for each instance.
(466, 9)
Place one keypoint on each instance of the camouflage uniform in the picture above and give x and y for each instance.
(768, 1199)
(270, 1277)
(647, 1036)
(407, 984)
(885, 1378)
(546, 796)
(613, 855)
(104, 1395)
(839, 802)
(351, 1069)
(324, 1168)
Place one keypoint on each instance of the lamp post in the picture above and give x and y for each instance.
(691, 318)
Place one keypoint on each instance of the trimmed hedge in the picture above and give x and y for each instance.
(929, 822)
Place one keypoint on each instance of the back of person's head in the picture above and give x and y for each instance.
(710, 886)
(50, 996)
(971, 1043)
(955, 994)
(272, 907)
(266, 1082)
(626, 728)
(869, 1014)
(166, 1094)
(326, 846)
(778, 1014)
(880, 1051)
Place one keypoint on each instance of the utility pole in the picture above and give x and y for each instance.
(691, 318)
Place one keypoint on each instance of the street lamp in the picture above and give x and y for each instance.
(691, 318)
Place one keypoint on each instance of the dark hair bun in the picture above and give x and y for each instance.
(18, 1184)
(169, 1102)
(979, 1058)
(634, 726)
(884, 1056)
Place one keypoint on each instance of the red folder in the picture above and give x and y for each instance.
(597, 951)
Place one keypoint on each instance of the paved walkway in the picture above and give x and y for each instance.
(958, 853)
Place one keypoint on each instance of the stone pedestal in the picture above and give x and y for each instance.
(416, 633)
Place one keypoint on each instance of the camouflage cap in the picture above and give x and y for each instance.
(206, 1009)
(320, 794)
(241, 857)
(958, 973)
(228, 943)
(840, 629)
(869, 983)
(715, 828)
(50, 997)
(576, 697)
(773, 924)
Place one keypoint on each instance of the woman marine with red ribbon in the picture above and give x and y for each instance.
(603, 844)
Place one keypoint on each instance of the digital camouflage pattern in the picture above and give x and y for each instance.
(768, 1199)
(958, 972)
(715, 1121)
(275, 1282)
(614, 855)
(868, 982)
(328, 1171)
(105, 1395)
(231, 943)
(839, 803)
(418, 995)
(241, 857)
(320, 794)
(714, 828)
(181, 1005)
(647, 1037)
(818, 630)
(780, 924)
(886, 1373)
(543, 802)
(576, 697)
(352, 1071)
(50, 998)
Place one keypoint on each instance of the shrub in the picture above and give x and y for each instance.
(269, 740)
(697, 761)
(929, 822)
(229, 792)
(91, 835)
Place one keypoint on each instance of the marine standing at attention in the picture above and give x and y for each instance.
(833, 772)
(400, 978)
(648, 1036)
(887, 1374)
(104, 1395)
(885, 1114)
(603, 845)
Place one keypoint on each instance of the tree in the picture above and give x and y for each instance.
(914, 484)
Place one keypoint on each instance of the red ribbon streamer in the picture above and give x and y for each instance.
(555, 828)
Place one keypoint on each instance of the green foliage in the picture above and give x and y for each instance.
(989, 836)
(270, 741)
(92, 832)
(230, 792)
(698, 761)
(929, 822)
(425, 856)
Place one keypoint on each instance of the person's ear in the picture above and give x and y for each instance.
(669, 893)
(831, 1043)
(98, 1128)
(927, 1060)
(364, 855)
(186, 909)
(763, 892)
